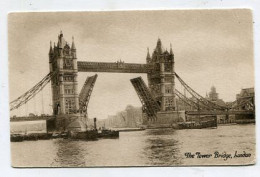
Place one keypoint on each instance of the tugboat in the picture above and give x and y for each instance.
(105, 133)
(94, 134)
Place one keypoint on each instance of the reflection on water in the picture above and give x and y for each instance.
(68, 154)
(154, 147)
(162, 148)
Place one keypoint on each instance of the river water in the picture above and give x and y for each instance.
(153, 147)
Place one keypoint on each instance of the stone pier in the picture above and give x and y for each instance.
(166, 119)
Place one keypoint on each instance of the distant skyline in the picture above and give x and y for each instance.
(211, 47)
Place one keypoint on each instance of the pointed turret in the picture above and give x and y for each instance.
(159, 42)
(51, 50)
(171, 52)
(61, 34)
(159, 46)
(148, 57)
(61, 41)
(54, 47)
(166, 51)
(73, 48)
(73, 44)
(60, 44)
(50, 53)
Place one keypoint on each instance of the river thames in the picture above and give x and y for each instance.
(151, 147)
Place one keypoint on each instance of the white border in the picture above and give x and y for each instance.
(7, 6)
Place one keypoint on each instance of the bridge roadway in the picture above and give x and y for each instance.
(31, 118)
(231, 112)
(116, 67)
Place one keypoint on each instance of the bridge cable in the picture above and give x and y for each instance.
(24, 98)
(199, 97)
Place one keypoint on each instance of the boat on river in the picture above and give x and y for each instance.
(94, 134)
(199, 123)
(130, 129)
(108, 134)
(16, 138)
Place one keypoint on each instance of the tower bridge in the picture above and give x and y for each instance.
(158, 98)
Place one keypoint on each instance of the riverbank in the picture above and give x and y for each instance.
(87, 135)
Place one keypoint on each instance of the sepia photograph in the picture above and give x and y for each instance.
(132, 88)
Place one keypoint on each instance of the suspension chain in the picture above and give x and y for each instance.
(32, 92)
(199, 97)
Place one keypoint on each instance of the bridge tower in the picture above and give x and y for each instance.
(161, 80)
(65, 98)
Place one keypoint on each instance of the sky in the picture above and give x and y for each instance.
(211, 47)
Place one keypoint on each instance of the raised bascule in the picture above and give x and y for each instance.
(158, 98)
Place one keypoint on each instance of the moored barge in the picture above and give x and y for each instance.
(198, 123)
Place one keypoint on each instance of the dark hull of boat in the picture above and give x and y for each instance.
(131, 130)
(211, 122)
(87, 135)
(16, 138)
(108, 134)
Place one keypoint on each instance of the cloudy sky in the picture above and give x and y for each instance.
(211, 47)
